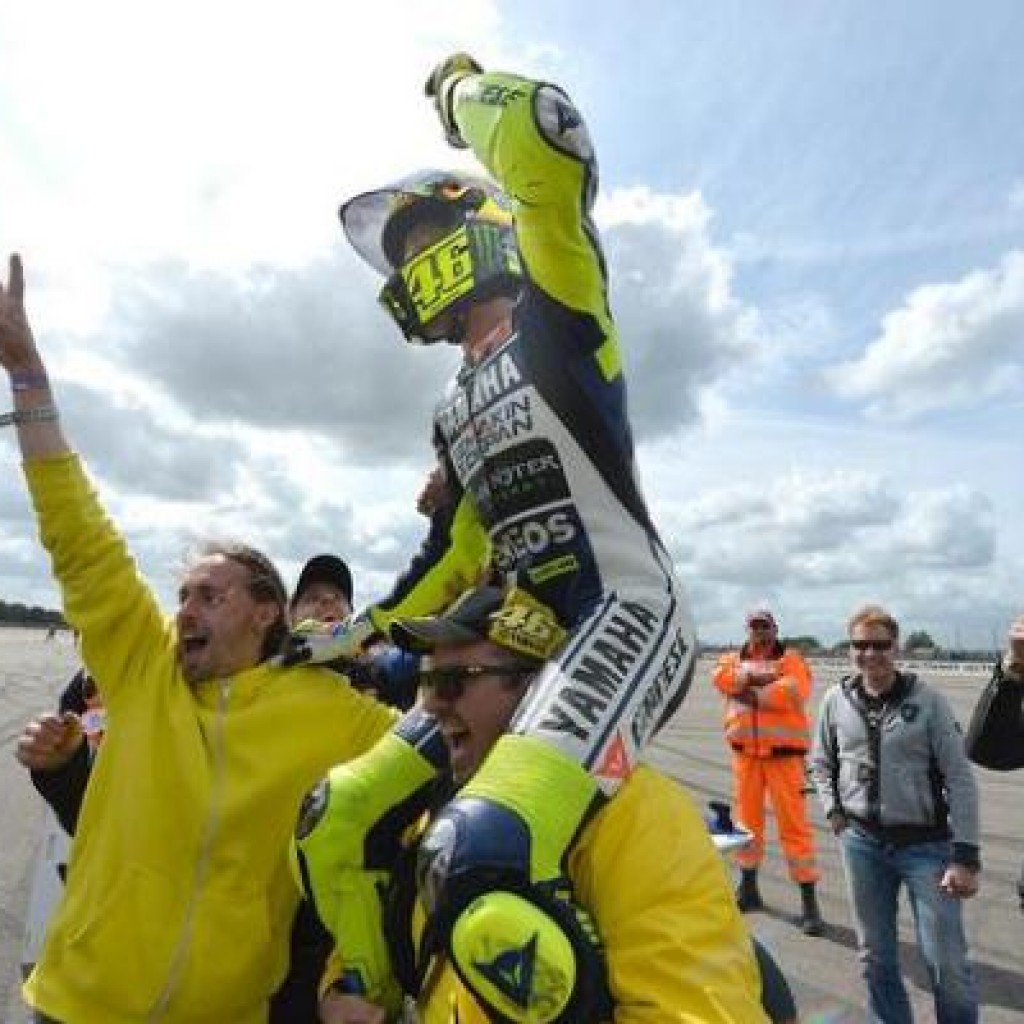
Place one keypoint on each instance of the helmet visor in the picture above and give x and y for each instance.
(426, 293)
(365, 217)
(439, 275)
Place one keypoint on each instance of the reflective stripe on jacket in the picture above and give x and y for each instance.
(769, 719)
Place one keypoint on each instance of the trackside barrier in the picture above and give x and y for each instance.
(921, 666)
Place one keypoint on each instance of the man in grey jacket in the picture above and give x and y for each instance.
(891, 771)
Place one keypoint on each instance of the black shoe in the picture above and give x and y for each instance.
(810, 916)
(747, 895)
(812, 924)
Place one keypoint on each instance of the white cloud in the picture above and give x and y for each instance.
(227, 131)
(951, 345)
(308, 350)
(816, 544)
(173, 173)
(682, 326)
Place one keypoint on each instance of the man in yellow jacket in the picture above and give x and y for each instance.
(179, 898)
(767, 688)
(659, 923)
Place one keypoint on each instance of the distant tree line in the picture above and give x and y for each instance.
(15, 614)
(917, 644)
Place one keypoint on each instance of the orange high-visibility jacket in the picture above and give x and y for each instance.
(770, 718)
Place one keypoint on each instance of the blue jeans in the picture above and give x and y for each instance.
(875, 870)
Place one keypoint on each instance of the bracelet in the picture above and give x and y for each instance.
(29, 380)
(22, 417)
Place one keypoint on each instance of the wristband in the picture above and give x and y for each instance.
(29, 380)
(23, 417)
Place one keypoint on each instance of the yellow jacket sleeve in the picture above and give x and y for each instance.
(120, 622)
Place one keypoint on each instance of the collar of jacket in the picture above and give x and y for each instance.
(777, 650)
(238, 689)
(853, 687)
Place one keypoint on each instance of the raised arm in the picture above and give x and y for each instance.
(534, 142)
(34, 414)
(102, 594)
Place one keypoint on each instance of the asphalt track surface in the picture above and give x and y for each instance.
(823, 971)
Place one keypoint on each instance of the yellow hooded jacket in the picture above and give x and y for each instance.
(179, 899)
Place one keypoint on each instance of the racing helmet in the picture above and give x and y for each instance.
(473, 257)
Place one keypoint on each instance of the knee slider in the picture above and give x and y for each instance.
(523, 949)
(514, 958)
(531, 958)
(356, 816)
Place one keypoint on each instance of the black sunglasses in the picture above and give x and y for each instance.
(449, 683)
(871, 645)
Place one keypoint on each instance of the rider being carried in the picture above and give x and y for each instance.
(535, 445)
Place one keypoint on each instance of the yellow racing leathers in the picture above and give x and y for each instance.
(179, 898)
(536, 445)
(675, 946)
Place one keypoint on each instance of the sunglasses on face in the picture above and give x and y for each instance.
(871, 645)
(449, 683)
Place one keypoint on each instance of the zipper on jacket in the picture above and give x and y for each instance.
(873, 719)
(178, 959)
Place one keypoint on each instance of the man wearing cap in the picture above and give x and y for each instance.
(659, 921)
(323, 591)
(323, 598)
(767, 688)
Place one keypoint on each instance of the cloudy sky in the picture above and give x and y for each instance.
(813, 212)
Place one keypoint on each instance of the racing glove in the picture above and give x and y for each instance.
(510, 831)
(349, 834)
(441, 85)
(320, 643)
(394, 673)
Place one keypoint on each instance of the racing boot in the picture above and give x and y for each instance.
(748, 897)
(810, 916)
